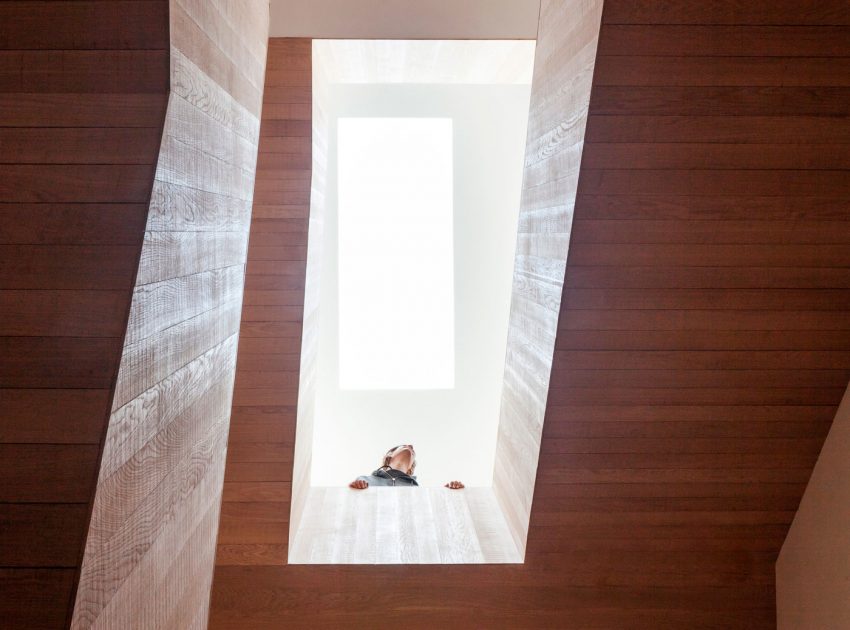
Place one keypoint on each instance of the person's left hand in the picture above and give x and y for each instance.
(454, 485)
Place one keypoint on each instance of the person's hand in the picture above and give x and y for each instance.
(454, 485)
(359, 484)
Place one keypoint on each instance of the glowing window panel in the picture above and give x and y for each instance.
(396, 261)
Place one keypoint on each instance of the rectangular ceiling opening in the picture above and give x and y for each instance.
(395, 253)
(418, 155)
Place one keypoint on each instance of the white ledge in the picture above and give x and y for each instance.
(403, 525)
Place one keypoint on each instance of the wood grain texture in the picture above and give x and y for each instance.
(150, 548)
(566, 53)
(83, 94)
(665, 504)
(35, 598)
(393, 526)
(272, 370)
(704, 292)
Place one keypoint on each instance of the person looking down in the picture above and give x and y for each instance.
(396, 470)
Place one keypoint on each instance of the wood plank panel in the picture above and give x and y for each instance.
(33, 362)
(63, 313)
(48, 535)
(716, 156)
(427, 525)
(47, 473)
(83, 94)
(565, 56)
(72, 223)
(148, 559)
(721, 40)
(35, 598)
(78, 146)
(785, 12)
(27, 109)
(255, 523)
(85, 25)
(758, 128)
(640, 70)
(86, 71)
(47, 183)
(52, 416)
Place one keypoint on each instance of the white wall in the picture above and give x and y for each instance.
(405, 19)
(454, 431)
(813, 570)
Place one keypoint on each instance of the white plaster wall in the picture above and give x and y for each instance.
(454, 431)
(813, 570)
(405, 19)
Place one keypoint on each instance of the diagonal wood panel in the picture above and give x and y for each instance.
(150, 547)
(565, 57)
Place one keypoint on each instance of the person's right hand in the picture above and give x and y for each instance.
(359, 484)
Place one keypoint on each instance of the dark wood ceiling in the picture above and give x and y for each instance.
(704, 337)
(83, 93)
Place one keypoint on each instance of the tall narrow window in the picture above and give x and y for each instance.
(396, 262)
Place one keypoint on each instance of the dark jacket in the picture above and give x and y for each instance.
(386, 476)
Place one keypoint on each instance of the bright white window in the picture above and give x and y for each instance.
(396, 263)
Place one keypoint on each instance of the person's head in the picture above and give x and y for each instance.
(402, 458)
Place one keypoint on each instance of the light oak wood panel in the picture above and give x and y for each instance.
(149, 553)
(566, 52)
(394, 526)
(83, 94)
